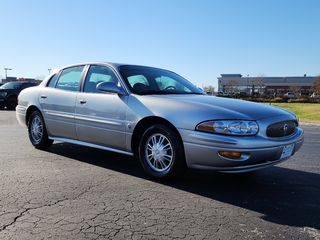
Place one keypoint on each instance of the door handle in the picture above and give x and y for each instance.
(82, 101)
(43, 96)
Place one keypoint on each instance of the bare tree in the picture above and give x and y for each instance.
(40, 77)
(232, 86)
(208, 89)
(260, 83)
(316, 85)
(295, 88)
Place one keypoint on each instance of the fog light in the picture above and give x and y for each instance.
(230, 154)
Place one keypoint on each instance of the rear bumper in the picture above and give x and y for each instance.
(21, 115)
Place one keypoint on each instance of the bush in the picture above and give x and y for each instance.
(268, 98)
(279, 100)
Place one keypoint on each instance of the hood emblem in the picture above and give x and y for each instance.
(285, 128)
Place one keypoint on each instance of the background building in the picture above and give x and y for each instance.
(236, 83)
(14, 79)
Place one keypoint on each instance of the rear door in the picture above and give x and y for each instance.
(58, 102)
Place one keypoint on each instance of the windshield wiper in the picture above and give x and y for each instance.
(197, 93)
(161, 92)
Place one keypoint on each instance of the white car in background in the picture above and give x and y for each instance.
(289, 95)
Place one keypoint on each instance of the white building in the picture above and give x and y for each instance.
(236, 83)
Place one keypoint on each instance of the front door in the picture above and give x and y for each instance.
(100, 117)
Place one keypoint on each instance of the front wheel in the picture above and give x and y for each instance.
(161, 153)
(37, 131)
(12, 103)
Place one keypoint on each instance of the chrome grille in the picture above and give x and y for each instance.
(281, 129)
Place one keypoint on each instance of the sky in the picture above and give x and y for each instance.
(198, 39)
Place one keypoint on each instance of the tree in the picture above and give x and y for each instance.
(295, 88)
(316, 85)
(208, 89)
(260, 83)
(40, 77)
(232, 86)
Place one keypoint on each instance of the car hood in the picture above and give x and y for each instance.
(8, 89)
(209, 107)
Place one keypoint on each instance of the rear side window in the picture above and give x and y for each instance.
(53, 80)
(69, 78)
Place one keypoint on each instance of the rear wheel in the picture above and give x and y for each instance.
(37, 131)
(161, 152)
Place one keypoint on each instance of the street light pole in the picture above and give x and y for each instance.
(49, 69)
(247, 84)
(5, 70)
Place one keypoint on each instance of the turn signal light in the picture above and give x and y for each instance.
(230, 154)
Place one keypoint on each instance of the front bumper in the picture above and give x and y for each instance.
(3, 103)
(257, 152)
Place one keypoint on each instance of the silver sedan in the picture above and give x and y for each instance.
(157, 115)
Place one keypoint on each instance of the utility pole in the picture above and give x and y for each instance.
(5, 70)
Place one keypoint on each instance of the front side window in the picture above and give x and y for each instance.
(96, 75)
(70, 78)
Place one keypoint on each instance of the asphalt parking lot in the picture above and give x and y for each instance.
(72, 192)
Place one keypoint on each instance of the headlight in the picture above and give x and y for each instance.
(3, 94)
(230, 127)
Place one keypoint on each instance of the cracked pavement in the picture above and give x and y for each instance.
(72, 192)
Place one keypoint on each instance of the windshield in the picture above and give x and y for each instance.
(11, 85)
(147, 80)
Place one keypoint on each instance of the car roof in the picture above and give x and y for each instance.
(115, 65)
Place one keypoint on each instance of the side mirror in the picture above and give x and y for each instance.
(110, 87)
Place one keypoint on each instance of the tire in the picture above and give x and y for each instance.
(37, 131)
(161, 153)
(12, 103)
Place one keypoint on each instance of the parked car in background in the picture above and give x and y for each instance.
(304, 94)
(221, 94)
(10, 91)
(315, 95)
(289, 95)
(158, 116)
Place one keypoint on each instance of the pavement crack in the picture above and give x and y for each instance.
(4, 227)
(22, 213)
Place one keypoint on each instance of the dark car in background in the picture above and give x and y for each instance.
(10, 91)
